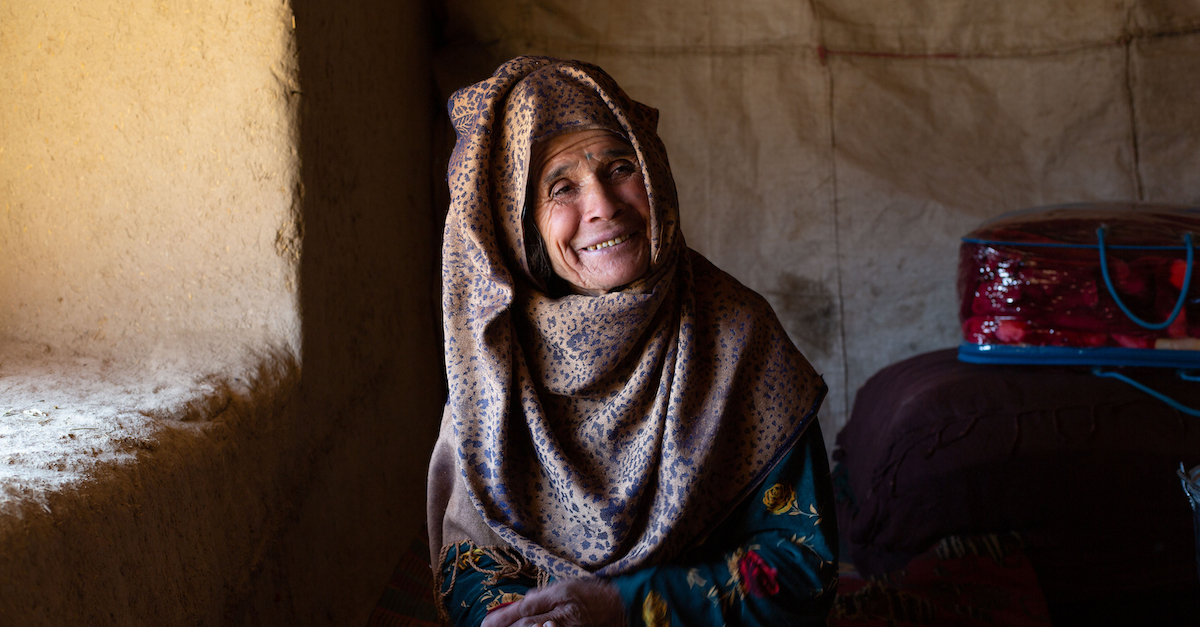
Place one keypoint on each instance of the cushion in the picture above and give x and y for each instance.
(1082, 467)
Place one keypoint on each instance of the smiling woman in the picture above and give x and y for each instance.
(630, 437)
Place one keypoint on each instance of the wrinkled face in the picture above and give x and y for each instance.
(592, 210)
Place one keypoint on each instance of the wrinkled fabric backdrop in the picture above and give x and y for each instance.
(829, 154)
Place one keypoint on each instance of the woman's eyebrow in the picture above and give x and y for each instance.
(609, 153)
(619, 151)
(556, 172)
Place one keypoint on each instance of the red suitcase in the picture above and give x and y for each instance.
(1096, 284)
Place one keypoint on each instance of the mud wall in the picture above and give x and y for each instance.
(218, 323)
(148, 175)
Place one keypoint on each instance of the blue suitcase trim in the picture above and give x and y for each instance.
(1069, 356)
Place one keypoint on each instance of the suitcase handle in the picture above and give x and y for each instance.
(1101, 372)
(1187, 282)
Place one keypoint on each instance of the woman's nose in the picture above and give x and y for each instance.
(603, 203)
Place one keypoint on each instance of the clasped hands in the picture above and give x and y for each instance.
(567, 603)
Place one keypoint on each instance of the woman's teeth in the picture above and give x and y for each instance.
(612, 242)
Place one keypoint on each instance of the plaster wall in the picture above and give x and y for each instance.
(372, 385)
(830, 153)
(148, 175)
(219, 373)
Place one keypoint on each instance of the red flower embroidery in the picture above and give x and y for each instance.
(758, 578)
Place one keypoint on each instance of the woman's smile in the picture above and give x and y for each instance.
(620, 239)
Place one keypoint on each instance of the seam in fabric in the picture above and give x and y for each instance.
(837, 234)
(1131, 100)
(567, 46)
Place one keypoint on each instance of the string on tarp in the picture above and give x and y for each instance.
(1187, 282)
(1111, 374)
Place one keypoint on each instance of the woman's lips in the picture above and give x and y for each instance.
(612, 242)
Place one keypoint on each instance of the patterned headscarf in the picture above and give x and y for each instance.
(599, 434)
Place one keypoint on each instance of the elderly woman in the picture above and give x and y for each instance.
(630, 437)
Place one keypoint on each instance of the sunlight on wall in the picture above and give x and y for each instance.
(148, 175)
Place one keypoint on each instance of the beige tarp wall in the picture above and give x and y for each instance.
(830, 153)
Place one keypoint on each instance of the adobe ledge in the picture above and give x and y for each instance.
(143, 492)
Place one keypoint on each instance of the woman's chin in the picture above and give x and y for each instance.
(609, 283)
(613, 275)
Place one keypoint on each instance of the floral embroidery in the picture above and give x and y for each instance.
(780, 498)
(758, 578)
(805, 542)
(502, 599)
(749, 575)
(654, 610)
(812, 512)
(734, 585)
(496, 600)
(469, 558)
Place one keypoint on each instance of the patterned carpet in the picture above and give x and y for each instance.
(969, 581)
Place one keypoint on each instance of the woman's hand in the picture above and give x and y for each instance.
(569, 603)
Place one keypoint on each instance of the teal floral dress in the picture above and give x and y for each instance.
(772, 562)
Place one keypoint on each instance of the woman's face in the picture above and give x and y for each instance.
(592, 211)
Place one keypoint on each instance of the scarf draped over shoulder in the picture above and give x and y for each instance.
(599, 434)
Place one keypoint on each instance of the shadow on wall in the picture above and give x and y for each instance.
(369, 324)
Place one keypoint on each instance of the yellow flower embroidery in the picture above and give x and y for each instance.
(780, 498)
(465, 560)
(507, 597)
(654, 610)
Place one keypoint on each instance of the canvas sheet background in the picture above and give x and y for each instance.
(829, 154)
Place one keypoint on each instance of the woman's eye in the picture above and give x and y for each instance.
(623, 169)
(561, 189)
